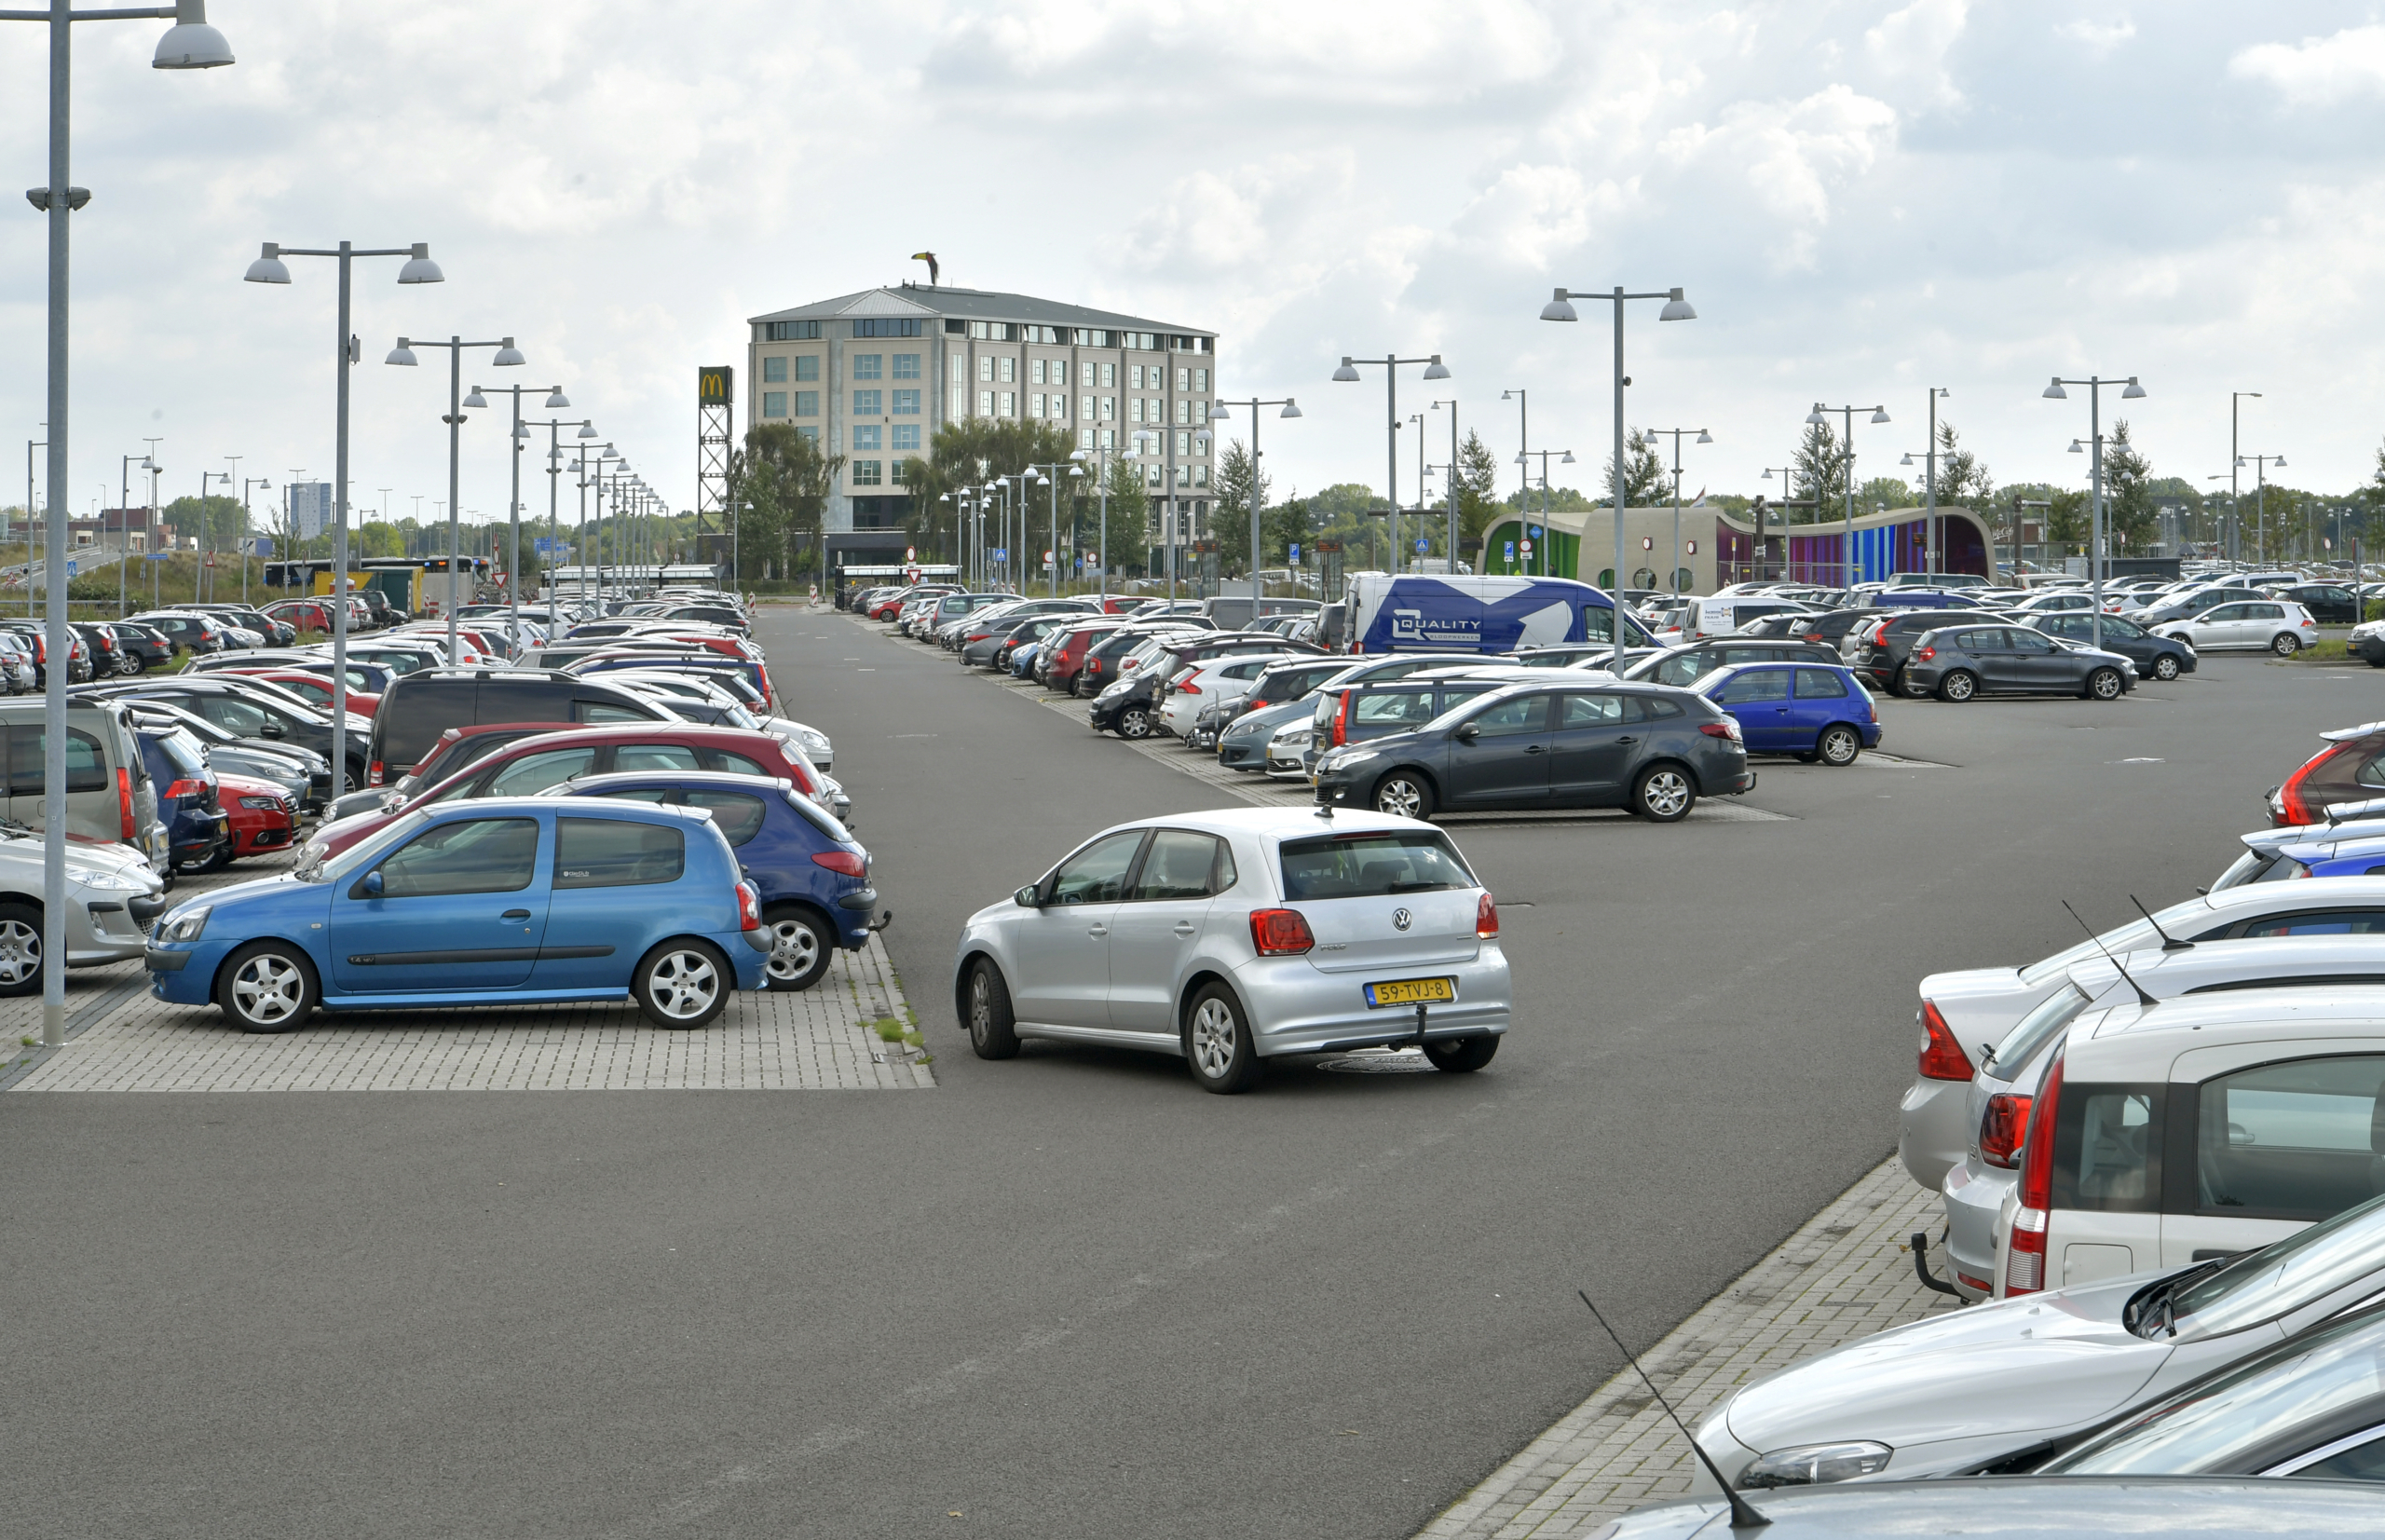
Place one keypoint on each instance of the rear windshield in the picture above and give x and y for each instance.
(1370, 866)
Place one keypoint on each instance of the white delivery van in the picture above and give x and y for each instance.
(1436, 613)
(1728, 614)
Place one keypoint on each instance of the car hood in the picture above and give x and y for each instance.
(2021, 1367)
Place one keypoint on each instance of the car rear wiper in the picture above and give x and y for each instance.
(1416, 886)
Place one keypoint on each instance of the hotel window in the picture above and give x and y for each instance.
(869, 403)
(907, 436)
(1059, 405)
(1183, 475)
(807, 367)
(887, 327)
(1009, 367)
(902, 475)
(1035, 404)
(812, 433)
(906, 404)
(790, 331)
(1151, 474)
(984, 403)
(1135, 408)
(1035, 370)
(907, 366)
(868, 436)
(774, 403)
(1084, 407)
(1185, 379)
(869, 366)
(1135, 375)
(960, 402)
(1060, 371)
(1184, 444)
(774, 370)
(1109, 374)
(865, 473)
(1200, 379)
(1085, 437)
(1010, 405)
(807, 404)
(1109, 409)
(1200, 475)
(1109, 438)
(986, 368)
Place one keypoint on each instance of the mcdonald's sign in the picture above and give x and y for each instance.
(715, 384)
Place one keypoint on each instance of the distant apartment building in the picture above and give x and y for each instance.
(872, 375)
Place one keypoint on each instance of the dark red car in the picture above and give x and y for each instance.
(313, 688)
(263, 821)
(544, 759)
(2350, 769)
(1068, 659)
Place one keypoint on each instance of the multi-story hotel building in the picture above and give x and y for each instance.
(873, 376)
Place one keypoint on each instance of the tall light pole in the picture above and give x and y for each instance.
(507, 356)
(1222, 411)
(1672, 579)
(2235, 458)
(1168, 461)
(199, 573)
(1523, 447)
(269, 268)
(1539, 542)
(1932, 542)
(1348, 374)
(2261, 464)
(554, 473)
(1101, 478)
(1820, 414)
(1676, 308)
(590, 468)
(123, 528)
(2095, 383)
(246, 525)
(557, 401)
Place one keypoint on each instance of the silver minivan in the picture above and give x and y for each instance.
(110, 799)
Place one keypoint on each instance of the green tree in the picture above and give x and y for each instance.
(1477, 487)
(1963, 481)
(1646, 481)
(1239, 477)
(380, 539)
(968, 454)
(1283, 525)
(2128, 503)
(216, 516)
(1884, 492)
(779, 484)
(2067, 520)
(1130, 515)
(1817, 475)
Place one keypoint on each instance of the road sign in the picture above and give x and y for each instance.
(152, 557)
(1423, 546)
(910, 555)
(1532, 530)
(1511, 551)
(1526, 546)
(1047, 556)
(70, 566)
(1296, 555)
(545, 547)
(1001, 554)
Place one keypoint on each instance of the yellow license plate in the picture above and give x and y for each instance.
(1412, 991)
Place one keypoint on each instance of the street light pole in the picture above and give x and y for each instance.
(554, 471)
(1434, 369)
(1846, 456)
(2235, 461)
(1538, 542)
(1676, 308)
(1523, 447)
(507, 356)
(557, 401)
(2261, 464)
(1672, 579)
(2096, 560)
(1221, 411)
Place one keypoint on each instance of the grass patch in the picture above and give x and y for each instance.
(888, 1029)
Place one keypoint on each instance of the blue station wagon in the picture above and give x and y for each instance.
(1815, 711)
(508, 901)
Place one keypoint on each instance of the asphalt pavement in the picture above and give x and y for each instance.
(1070, 1295)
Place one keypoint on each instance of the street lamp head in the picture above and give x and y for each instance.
(1076, 472)
(522, 430)
(1879, 414)
(1217, 412)
(1347, 374)
(2077, 449)
(1567, 458)
(420, 268)
(401, 355)
(1291, 408)
(1076, 455)
(558, 401)
(268, 267)
(476, 400)
(1767, 473)
(1704, 437)
(2055, 391)
(587, 430)
(2239, 462)
(2134, 390)
(190, 43)
(1558, 309)
(1436, 370)
(1814, 419)
(508, 356)
(1677, 308)
(2278, 462)
(1907, 460)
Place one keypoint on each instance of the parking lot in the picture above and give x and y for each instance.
(1064, 1294)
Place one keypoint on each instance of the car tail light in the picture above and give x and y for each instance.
(1280, 932)
(373, 774)
(1942, 1056)
(1486, 919)
(1188, 686)
(749, 913)
(1093, 665)
(1925, 653)
(2001, 1130)
(187, 788)
(124, 803)
(1342, 720)
(2024, 1252)
(2297, 807)
(1727, 728)
(841, 861)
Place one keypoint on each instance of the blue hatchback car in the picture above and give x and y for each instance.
(197, 827)
(811, 875)
(506, 901)
(1815, 711)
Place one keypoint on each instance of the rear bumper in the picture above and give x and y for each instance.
(1974, 1199)
(1296, 1008)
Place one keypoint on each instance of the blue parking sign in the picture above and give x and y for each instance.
(1511, 551)
(1423, 546)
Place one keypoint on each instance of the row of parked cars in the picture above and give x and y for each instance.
(2159, 1157)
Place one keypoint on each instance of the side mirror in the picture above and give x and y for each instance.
(272, 729)
(371, 884)
(1025, 897)
(1467, 733)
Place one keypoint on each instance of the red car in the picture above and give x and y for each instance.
(315, 689)
(261, 815)
(1069, 662)
(544, 759)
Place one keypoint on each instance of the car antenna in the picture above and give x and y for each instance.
(2169, 943)
(1743, 1513)
(2141, 998)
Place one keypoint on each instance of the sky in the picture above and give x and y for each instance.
(1861, 201)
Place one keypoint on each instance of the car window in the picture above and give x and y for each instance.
(1178, 864)
(616, 853)
(86, 762)
(605, 711)
(1682, 667)
(2319, 922)
(644, 794)
(2289, 1140)
(472, 855)
(1370, 866)
(2108, 1149)
(1591, 710)
(237, 718)
(2025, 641)
(1762, 684)
(2127, 630)
(1512, 718)
(731, 764)
(1098, 873)
(738, 815)
(1651, 708)
(2041, 1026)
(2266, 612)
(656, 756)
(1404, 707)
(2228, 612)
(1820, 684)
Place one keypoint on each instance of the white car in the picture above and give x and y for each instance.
(2247, 625)
(1228, 678)
(1234, 937)
(1978, 1188)
(1965, 1016)
(1960, 1391)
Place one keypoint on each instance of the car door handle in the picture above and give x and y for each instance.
(1535, 748)
(1627, 738)
(1098, 932)
(1185, 926)
(515, 914)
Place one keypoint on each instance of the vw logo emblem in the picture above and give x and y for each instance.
(1399, 918)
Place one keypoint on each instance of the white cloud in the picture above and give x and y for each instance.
(1791, 161)
(2318, 70)
(2097, 37)
(1913, 44)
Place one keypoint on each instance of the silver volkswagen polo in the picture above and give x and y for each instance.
(1234, 936)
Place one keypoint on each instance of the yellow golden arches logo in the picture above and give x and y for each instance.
(715, 384)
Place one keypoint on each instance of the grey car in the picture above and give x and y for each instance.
(2039, 1507)
(1958, 663)
(1652, 750)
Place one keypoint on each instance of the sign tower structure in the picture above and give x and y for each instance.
(716, 408)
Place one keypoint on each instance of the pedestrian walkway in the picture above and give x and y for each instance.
(1845, 1275)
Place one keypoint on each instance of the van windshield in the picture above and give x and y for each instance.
(1375, 865)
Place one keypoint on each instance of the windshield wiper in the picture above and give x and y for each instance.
(1416, 886)
(2163, 1297)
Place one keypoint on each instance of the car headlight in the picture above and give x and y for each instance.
(815, 743)
(1347, 757)
(185, 924)
(107, 882)
(266, 803)
(1816, 1465)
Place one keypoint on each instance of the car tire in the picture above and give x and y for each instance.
(802, 944)
(20, 951)
(2165, 668)
(268, 986)
(1958, 687)
(1403, 794)
(1663, 794)
(216, 861)
(1839, 745)
(1462, 1055)
(682, 984)
(993, 1032)
(1216, 1042)
(1134, 722)
(1902, 684)
(2285, 644)
(2104, 684)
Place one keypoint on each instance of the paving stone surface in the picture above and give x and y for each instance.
(1846, 1274)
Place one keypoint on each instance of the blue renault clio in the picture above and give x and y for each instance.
(811, 875)
(1815, 711)
(506, 901)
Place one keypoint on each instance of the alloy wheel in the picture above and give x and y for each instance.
(268, 990)
(1213, 1039)
(1839, 746)
(1400, 797)
(20, 952)
(682, 984)
(1666, 794)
